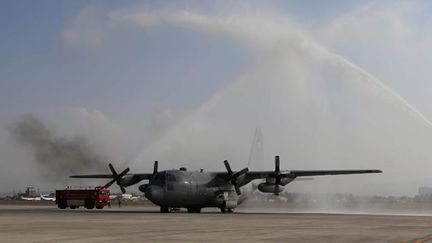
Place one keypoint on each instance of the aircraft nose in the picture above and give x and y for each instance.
(154, 193)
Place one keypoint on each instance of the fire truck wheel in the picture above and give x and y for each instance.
(89, 205)
(62, 205)
(73, 207)
(99, 207)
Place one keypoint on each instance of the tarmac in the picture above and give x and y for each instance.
(29, 223)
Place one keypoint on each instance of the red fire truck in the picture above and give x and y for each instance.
(88, 197)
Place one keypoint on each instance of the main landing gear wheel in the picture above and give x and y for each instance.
(164, 209)
(194, 210)
(226, 210)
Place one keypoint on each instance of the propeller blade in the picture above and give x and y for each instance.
(119, 176)
(276, 189)
(116, 177)
(111, 167)
(277, 164)
(109, 183)
(228, 167)
(232, 177)
(155, 168)
(237, 189)
(239, 173)
(277, 175)
(276, 192)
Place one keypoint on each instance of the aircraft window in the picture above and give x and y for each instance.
(159, 179)
(170, 178)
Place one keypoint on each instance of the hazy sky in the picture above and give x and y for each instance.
(128, 76)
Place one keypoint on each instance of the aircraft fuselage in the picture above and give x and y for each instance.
(184, 189)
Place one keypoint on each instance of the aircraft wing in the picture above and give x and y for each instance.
(300, 173)
(142, 176)
(107, 176)
(131, 178)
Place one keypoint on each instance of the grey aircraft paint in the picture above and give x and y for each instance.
(195, 190)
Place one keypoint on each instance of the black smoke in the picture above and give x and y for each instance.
(57, 156)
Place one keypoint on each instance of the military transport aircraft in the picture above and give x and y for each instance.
(195, 190)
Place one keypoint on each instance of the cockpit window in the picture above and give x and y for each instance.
(159, 179)
(170, 178)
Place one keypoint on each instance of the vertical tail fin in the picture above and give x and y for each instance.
(256, 155)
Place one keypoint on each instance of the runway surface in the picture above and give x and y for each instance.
(49, 224)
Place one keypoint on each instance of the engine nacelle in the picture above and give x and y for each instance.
(128, 180)
(269, 188)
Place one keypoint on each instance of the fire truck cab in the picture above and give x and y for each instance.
(88, 197)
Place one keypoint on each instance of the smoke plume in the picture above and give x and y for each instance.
(58, 156)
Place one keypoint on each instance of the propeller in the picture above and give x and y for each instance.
(277, 175)
(232, 177)
(155, 168)
(117, 178)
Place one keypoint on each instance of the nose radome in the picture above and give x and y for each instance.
(143, 187)
(148, 191)
(154, 194)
